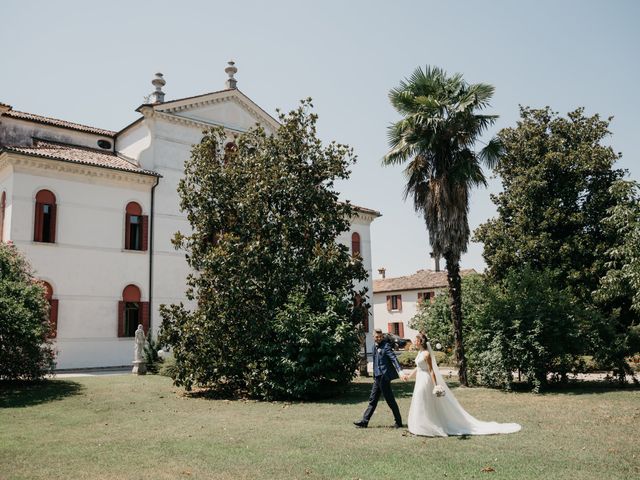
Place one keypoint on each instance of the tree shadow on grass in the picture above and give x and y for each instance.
(27, 394)
(587, 387)
(359, 390)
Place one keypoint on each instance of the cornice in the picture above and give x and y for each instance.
(232, 96)
(26, 162)
(190, 122)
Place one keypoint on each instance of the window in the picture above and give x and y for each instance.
(45, 218)
(136, 226)
(396, 328)
(394, 303)
(131, 318)
(53, 310)
(355, 244)
(424, 297)
(132, 312)
(3, 205)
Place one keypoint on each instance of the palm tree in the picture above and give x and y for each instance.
(435, 137)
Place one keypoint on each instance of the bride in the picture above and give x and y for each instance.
(434, 411)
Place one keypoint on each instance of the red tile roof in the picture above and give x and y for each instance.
(422, 279)
(81, 155)
(57, 123)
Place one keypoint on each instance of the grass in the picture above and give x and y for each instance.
(127, 427)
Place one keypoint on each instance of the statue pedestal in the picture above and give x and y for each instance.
(139, 367)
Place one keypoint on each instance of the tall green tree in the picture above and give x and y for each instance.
(619, 289)
(558, 176)
(273, 290)
(26, 351)
(436, 137)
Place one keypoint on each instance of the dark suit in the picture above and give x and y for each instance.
(385, 369)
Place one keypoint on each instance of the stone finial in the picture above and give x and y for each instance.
(158, 95)
(231, 71)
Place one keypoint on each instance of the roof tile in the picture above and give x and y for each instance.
(57, 123)
(81, 155)
(422, 279)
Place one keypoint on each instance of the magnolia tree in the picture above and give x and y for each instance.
(26, 352)
(273, 290)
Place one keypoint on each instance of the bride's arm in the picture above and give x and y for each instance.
(413, 373)
(433, 375)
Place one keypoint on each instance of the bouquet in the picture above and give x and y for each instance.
(438, 391)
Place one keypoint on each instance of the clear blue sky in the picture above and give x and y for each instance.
(91, 62)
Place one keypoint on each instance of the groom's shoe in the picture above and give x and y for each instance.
(398, 425)
(361, 424)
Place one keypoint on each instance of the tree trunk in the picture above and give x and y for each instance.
(455, 304)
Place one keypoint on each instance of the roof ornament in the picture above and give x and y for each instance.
(158, 95)
(231, 71)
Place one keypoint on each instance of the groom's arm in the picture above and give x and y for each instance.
(389, 351)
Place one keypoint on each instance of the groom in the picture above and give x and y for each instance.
(385, 369)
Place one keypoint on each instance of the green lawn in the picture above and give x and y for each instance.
(127, 427)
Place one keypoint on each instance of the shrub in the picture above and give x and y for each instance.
(151, 357)
(407, 358)
(168, 367)
(26, 352)
(312, 351)
(527, 326)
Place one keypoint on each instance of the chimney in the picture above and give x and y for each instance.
(382, 271)
(231, 71)
(158, 95)
(436, 259)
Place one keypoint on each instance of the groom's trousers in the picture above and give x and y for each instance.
(382, 385)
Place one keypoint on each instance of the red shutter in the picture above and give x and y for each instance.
(53, 317)
(390, 327)
(52, 233)
(121, 319)
(388, 303)
(37, 225)
(401, 329)
(145, 316)
(399, 303)
(145, 232)
(432, 296)
(420, 297)
(127, 236)
(366, 321)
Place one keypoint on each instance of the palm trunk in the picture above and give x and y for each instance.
(455, 304)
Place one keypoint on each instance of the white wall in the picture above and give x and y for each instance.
(6, 185)
(87, 267)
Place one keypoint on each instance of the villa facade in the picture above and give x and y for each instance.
(95, 210)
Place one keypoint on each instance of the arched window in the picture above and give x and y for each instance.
(136, 226)
(3, 206)
(53, 310)
(45, 218)
(355, 244)
(132, 312)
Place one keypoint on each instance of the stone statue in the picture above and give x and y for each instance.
(139, 366)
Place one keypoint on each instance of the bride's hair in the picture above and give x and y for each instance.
(423, 340)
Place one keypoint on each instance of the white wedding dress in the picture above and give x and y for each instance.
(433, 416)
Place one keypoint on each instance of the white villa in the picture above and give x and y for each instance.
(94, 211)
(396, 300)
